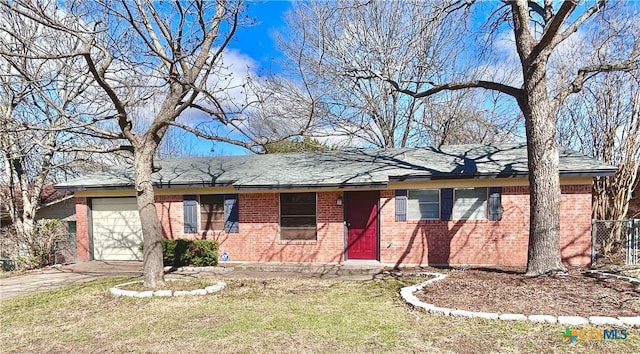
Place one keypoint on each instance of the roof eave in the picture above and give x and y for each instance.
(59, 200)
(322, 186)
(511, 174)
(194, 184)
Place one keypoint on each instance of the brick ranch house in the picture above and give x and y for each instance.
(457, 205)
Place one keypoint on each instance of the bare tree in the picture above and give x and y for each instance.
(538, 28)
(407, 42)
(168, 53)
(603, 121)
(155, 65)
(281, 109)
(38, 97)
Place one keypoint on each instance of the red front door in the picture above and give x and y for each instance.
(362, 224)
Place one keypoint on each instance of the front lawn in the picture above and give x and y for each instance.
(275, 315)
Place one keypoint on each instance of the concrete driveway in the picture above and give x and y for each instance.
(51, 278)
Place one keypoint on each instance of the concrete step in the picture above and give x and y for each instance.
(347, 268)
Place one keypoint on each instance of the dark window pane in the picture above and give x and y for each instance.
(298, 197)
(298, 216)
(298, 209)
(298, 221)
(211, 199)
(212, 225)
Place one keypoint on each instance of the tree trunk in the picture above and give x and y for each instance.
(151, 227)
(543, 254)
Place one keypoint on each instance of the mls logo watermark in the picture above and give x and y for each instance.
(584, 334)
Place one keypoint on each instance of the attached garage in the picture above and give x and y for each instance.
(116, 229)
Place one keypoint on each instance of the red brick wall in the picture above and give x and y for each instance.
(82, 229)
(258, 238)
(575, 224)
(170, 212)
(465, 242)
(484, 242)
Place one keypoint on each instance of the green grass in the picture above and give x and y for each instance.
(274, 315)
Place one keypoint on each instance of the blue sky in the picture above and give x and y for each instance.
(257, 41)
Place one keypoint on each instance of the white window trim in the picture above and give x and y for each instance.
(486, 204)
(425, 189)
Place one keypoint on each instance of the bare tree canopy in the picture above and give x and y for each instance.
(334, 46)
(152, 63)
(41, 100)
(539, 30)
(603, 121)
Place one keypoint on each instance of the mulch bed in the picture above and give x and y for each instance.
(575, 294)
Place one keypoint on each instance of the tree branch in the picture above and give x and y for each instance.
(123, 121)
(524, 38)
(247, 145)
(587, 72)
(453, 86)
(579, 21)
(551, 29)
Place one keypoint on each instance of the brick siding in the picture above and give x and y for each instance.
(462, 242)
(82, 229)
(258, 238)
(484, 242)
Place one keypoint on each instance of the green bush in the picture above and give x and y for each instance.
(203, 253)
(178, 253)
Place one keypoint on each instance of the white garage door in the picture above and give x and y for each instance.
(117, 233)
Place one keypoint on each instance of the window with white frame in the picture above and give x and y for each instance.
(423, 204)
(469, 203)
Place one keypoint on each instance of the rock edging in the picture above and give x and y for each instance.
(407, 294)
(168, 269)
(165, 293)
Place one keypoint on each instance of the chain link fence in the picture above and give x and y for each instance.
(615, 242)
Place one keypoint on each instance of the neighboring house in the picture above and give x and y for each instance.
(54, 204)
(457, 205)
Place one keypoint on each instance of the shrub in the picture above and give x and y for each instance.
(181, 253)
(32, 248)
(203, 253)
(178, 253)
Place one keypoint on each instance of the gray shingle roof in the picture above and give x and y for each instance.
(343, 168)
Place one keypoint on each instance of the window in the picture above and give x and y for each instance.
(212, 212)
(298, 216)
(71, 227)
(423, 204)
(470, 203)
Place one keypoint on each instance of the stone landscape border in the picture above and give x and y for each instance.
(407, 294)
(165, 293)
